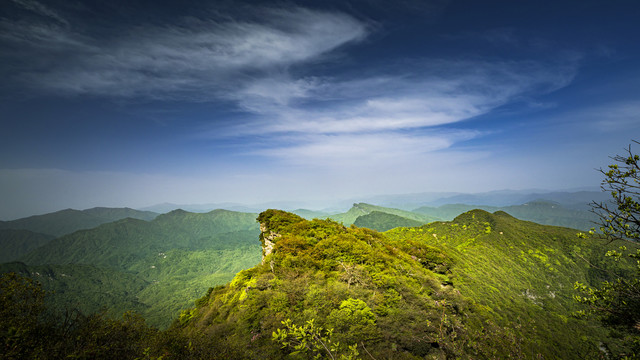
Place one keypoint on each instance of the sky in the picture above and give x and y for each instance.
(134, 103)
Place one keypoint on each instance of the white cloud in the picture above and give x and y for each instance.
(432, 93)
(200, 60)
(374, 150)
(393, 120)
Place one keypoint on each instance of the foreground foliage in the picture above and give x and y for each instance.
(29, 331)
(617, 302)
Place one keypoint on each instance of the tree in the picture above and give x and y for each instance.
(620, 218)
(312, 340)
(617, 302)
(21, 310)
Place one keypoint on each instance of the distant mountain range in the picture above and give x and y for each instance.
(570, 199)
(160, 263)
(382, 221)
(542, 212)
(67, 221)
(361, 209)
(578, 199)
(383, 218)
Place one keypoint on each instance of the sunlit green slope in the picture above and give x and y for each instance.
(483, 286)
(522, 274)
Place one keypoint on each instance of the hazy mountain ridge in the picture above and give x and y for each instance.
(382, 221)
(360, 209)
(311, 214)
(577, 199)
(539, 211)
(68, 221)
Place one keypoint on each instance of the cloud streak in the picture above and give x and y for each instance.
(434, 92)
(41, 10)
(195, 61)
(372, 122)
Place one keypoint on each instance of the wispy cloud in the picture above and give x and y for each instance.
(598, 119)
(373, 150)
(197, 61)
(612, 117)
(41, 10)
(373, 121)
(433, 92)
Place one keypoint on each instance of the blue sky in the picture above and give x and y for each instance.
(133, 103)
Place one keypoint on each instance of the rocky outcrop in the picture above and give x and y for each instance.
(268, 240)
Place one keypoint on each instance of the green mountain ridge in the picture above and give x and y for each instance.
(176, 257)
(360, 209)
(15, 243)
(120, 243)
(481, 286)
(311, 214)
(68, 221)
(382, 221)
(539, 211)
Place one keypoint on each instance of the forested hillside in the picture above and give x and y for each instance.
(154, 267)
(15, 243)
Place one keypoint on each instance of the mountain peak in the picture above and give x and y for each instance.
(273, 220)
(503, 214)
(474, 215)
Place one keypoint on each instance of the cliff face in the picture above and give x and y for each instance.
(272, 224)
(268, 240)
